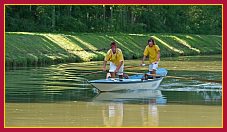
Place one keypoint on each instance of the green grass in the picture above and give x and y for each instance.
(38, 49)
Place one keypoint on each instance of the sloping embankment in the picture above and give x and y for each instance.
(36, 49)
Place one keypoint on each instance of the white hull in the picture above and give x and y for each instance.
(133, 85)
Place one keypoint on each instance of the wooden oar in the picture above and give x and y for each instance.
(128, 67)
(177, 77)
(88, 73)
(186, 78)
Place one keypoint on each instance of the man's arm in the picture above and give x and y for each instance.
(144, 57)
(158, 56)
(104, 65)
(145, 53)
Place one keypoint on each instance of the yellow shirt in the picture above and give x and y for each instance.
(114, 58)
(152, 52)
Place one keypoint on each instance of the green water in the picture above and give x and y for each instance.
(59, 96)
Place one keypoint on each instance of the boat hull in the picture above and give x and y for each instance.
(127, 84)
(133, 83)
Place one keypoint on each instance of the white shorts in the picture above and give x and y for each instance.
(113, 68)
(153, 66)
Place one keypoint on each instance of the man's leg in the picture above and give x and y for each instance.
(108, 75)
(153, 72)
(112, 69)
(112, 74)
(121, 72)
(152, 69)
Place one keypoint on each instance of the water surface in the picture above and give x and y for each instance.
(60, 96)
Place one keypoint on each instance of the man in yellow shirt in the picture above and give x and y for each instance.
(115, 56)
(153, 51)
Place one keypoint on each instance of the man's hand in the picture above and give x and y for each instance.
(116, 71)
(142, 64)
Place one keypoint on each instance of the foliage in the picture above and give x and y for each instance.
(193, 19)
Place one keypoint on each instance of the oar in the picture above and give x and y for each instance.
(187, 78)
(177, 77)
(88, 73)
(128, 67)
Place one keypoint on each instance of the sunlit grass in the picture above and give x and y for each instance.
(88, 45)
(120, 43)
(63, 42)
(183, 42)
(30, 49)
(137, 34)
(168, 45)
(190, 37)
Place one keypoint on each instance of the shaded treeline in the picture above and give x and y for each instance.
(188, 19)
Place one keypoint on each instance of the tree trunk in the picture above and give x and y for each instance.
(104, 13)
(53, 18)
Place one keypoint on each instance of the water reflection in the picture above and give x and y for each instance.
(130, 96)
(185, 95)
(113, 115)
(119, 114)
(211, 96)
(119, 107)
(46, 84)
(150, 113)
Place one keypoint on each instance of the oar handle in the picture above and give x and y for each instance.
(94, 72)
(154, 75)
(128, 67)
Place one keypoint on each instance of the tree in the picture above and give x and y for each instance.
(197, 19)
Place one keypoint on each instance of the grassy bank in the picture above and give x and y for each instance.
(37, 49)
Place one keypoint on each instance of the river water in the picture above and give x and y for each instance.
(60, 96)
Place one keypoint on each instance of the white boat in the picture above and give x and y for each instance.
(133, 83)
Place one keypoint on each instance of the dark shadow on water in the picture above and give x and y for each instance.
(52, 96)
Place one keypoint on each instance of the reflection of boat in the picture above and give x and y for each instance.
(134, 82)
(154, 96)
(150, 115)
(119, 112)
(113, 115)
(125, 115)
